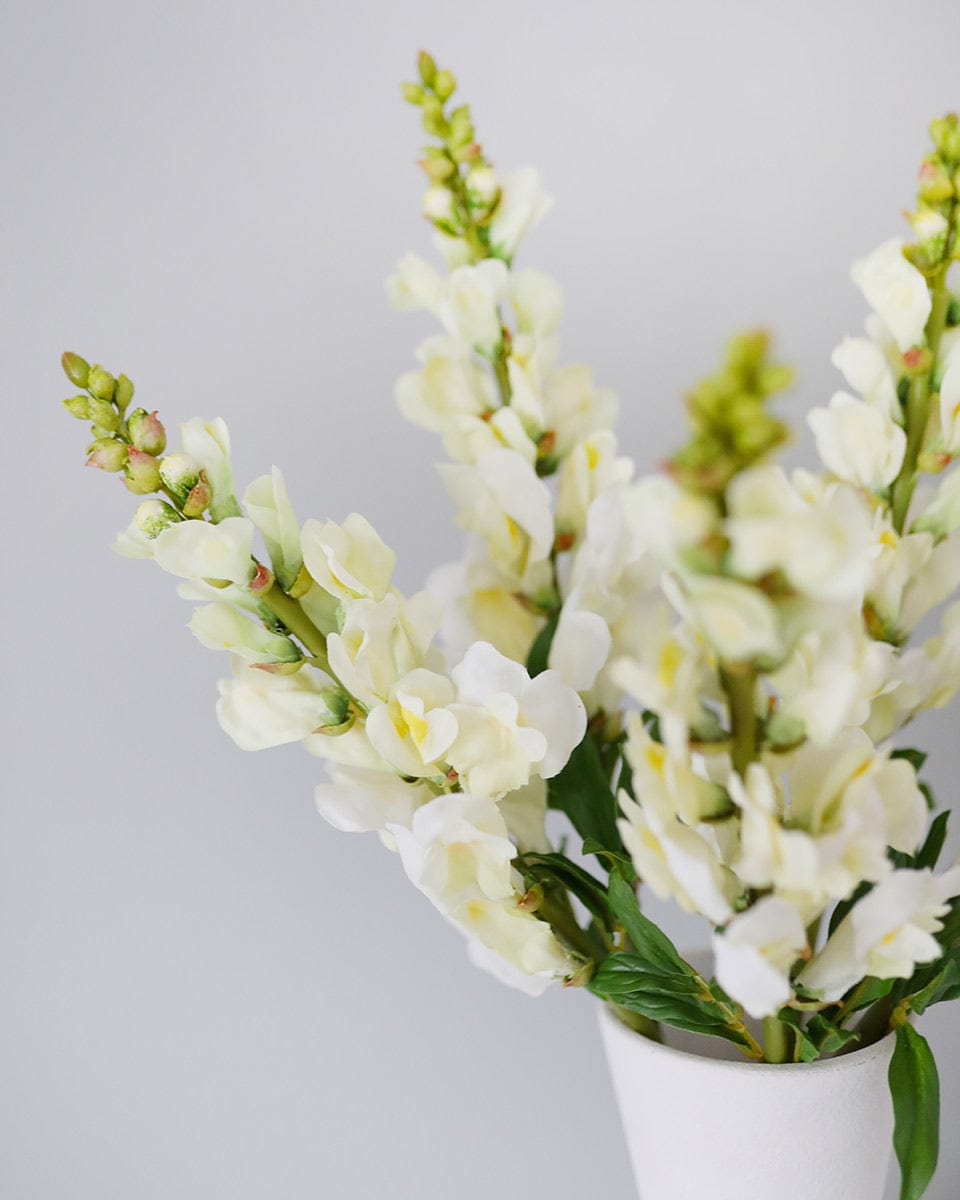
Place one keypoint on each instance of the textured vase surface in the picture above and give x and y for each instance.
(728, 1129)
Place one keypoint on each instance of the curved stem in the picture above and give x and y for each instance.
(297, 621)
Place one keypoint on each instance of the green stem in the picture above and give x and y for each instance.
(556, 911)
(777, 1046)
(297, 621)
(740, 685)
(876, 1022)
(502, 376)
(639, 1023)
(918, 401)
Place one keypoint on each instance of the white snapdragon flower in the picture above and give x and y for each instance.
(469, 304)
(501, 498)
(415, 728)
(259, 709)
(738, 621)
(675, 860)
(858, 442)
(866, 369)
(269, 507)
(580, 646)
(349, 560)
(830, 679)
(574, 407)
(886, 934)
(364, 800)
(450, 386)
(523, 203)
(895, 290)
(380, 642)
(525, 811)
(530, 367)
(670, 777)
(670, 519)
(222, 627)
(818, 534)
(480, 604)
(941, 515)
(537, 300)
(509, 725)
(592, 467)
(415, 284)
(950, 401)
(201, 550)
(910, 575)
(526, 946)
(208, 444)
(755, 952)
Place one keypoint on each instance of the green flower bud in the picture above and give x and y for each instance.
(444, 85)
(153, 516)
(427, 68)
(101, 383)
(180, 473)
(483, 190)
(146, 431)
(934, 181)
(142, 472)
(104, 416)
(461, 127)
(438, 168)
(337, 705)
(412, 93)
(124, 392)
(433, 120)
(107, 454)
(79, 407)
(76, 368)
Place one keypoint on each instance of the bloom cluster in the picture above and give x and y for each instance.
(704, 669)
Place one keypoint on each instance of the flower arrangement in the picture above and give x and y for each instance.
(703, 669)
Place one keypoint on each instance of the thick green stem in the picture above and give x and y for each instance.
(639, 1023)
(777, 1043)
(502, 376)
(297, 621)
(556, 911)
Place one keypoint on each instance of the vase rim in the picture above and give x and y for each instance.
(844, 1062)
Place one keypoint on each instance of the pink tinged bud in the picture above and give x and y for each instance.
(147, 432)
(107, 454)
(198, 499)
(262, 579)
(142, 472)
(76, 368)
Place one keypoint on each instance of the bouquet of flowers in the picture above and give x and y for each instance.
(703, 669)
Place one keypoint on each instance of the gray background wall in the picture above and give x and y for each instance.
(206, 992)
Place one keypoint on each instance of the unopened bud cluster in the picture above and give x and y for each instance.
(464, 190)
(732, 427)
(938, 190)
(132, 443)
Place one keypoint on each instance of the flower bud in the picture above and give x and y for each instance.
(79, 407)
(76, 368)
(180, 473)
(437, 167)
(198, 499)
(146, 431)
(153, 516)
(482, 187)
(107, 454)
(935, 185)
(427, 68)
(142, 472)
(438, 204)
(930, 228)
(412, 93)
(444, 85)
(433, 120)
(124, 393)
(461, 126)
(101, 383)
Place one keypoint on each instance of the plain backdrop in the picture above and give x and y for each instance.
(206, 992)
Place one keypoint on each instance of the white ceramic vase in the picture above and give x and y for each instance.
(724, 1128)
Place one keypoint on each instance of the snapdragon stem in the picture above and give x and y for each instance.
(296, 620)
(502, 375)
(776, 1041)
(556, 911)
(739, 686)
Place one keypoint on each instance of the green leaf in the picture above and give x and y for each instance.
(808, 1048)
(647, 939)
(558, 869)
(583, 792)
(916, 758)
(540, 650)
(915, 1088)
(929, 852)
(616, 862)
(945, 985)
(827, 1038)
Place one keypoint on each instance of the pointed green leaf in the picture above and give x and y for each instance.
(915, 1088)
(583, 792)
